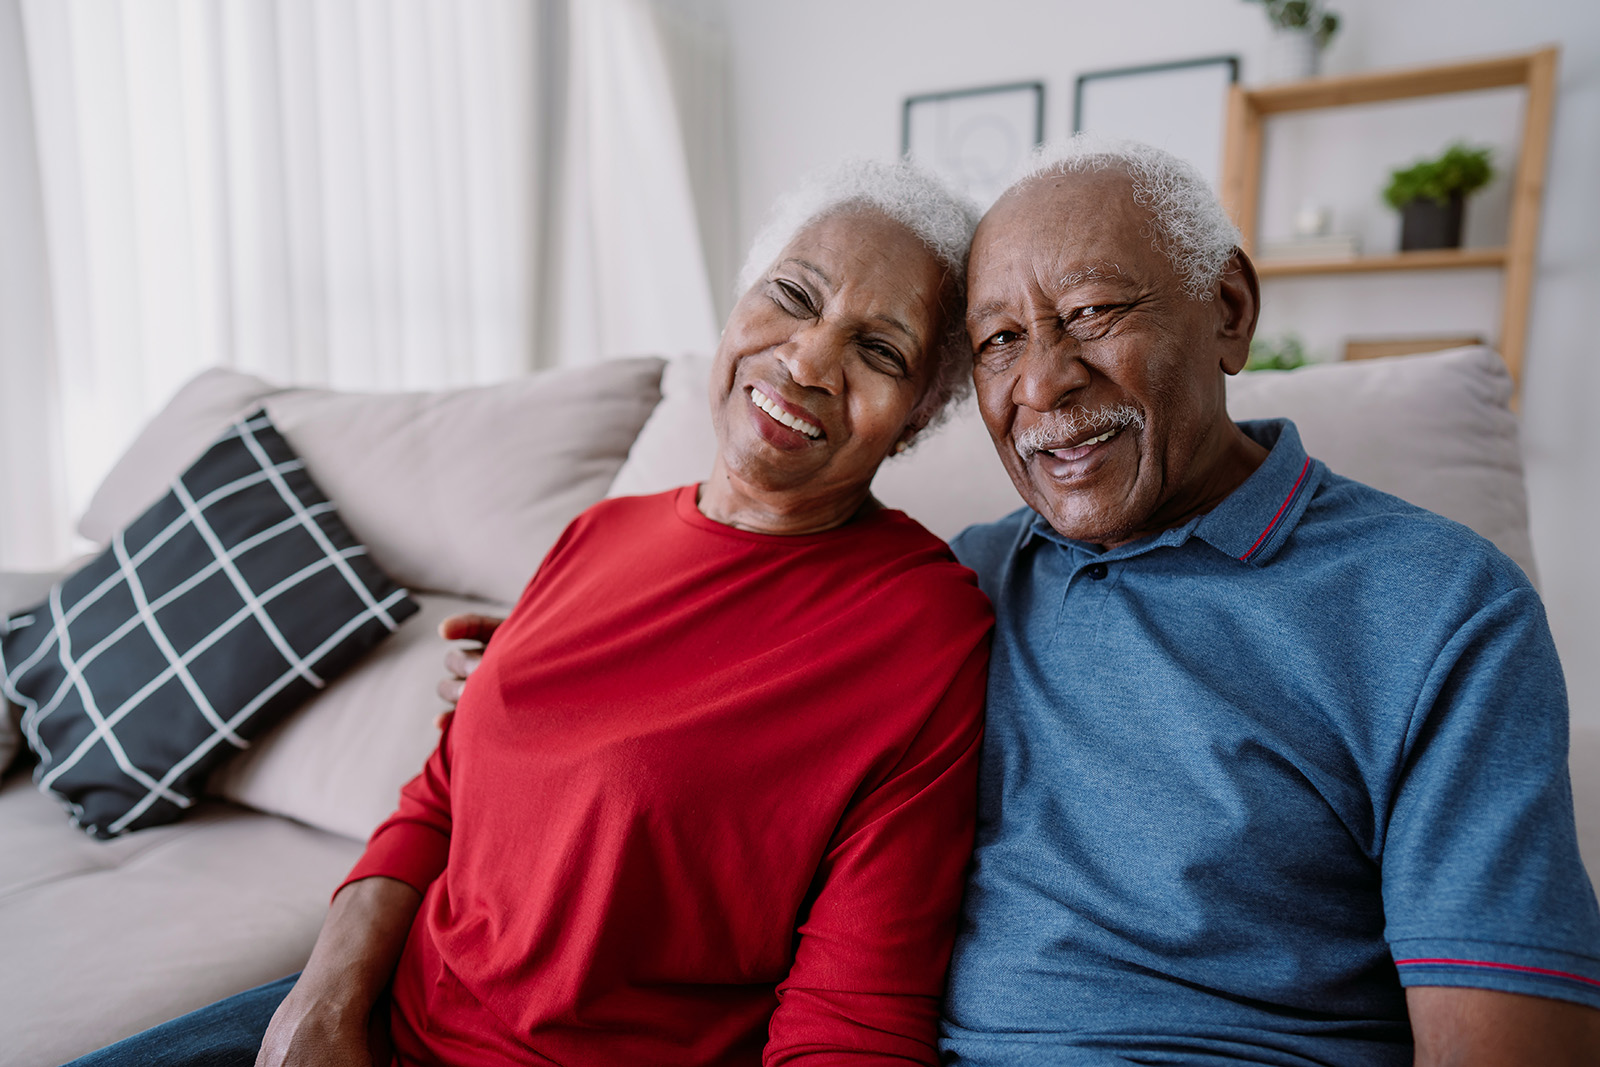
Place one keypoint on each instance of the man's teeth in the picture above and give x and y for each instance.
(765, 403)
(1108, 435)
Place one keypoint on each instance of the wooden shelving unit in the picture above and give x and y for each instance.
(1248, 110)
(1433, 259)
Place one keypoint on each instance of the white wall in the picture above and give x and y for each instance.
(827, 79)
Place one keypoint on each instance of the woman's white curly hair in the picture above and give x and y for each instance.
(1190, 226)
(941, 218)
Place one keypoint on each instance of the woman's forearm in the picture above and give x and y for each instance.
(324, 1018)
(361, 940)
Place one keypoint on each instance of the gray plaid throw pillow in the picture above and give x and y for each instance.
(228, 603)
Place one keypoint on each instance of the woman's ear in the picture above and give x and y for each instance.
(1238, 304)
(907, 435)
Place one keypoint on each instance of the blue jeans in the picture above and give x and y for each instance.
(225, 1034)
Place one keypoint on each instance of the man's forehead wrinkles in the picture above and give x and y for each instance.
(979, 312)
(1094, 272)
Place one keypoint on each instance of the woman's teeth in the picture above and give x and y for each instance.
(765, 403)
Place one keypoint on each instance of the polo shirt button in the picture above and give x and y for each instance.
(1097, 571)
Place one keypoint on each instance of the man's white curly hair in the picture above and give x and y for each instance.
(1190, 226)
(941, 218)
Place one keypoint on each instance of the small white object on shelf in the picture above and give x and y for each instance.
(1313, 220)
(1321, 246)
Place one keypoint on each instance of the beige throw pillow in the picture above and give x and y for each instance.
(460, 491)
(1436, 430)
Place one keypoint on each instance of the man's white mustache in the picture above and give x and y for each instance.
(1059, 427)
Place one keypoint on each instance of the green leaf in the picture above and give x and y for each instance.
(1460, 170)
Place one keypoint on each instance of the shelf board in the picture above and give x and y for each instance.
(1366, 88)
(1432, 259)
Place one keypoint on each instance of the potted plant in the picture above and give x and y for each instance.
(1302, 29)
(1430, 195)
(1283, 353)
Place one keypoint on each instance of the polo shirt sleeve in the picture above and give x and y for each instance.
(412, 845)
(875, 943)
(1482, 882)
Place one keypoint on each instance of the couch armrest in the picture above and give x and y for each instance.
(19, 590)
(24, 589)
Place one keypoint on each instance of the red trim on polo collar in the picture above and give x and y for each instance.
(1306, 466)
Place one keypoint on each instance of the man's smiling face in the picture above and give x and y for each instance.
(1099, 378)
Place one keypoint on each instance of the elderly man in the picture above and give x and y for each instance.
(1275, 769)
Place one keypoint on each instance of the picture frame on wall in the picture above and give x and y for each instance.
(975, 138)
(1180, 106)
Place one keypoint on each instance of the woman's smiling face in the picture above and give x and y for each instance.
(823, 363)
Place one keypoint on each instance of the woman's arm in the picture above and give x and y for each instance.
(324, 1018)
(875, 941)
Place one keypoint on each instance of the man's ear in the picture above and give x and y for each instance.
(1238, 310)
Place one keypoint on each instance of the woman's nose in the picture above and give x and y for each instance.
(814, 359)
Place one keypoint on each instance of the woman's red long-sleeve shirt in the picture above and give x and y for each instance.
(708, 800)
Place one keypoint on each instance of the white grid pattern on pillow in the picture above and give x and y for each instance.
(257, 608)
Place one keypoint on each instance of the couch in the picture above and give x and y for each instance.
(458, 494)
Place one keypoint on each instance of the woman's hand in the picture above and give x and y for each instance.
(309, 1032)
(462, 659)
(323, 1020)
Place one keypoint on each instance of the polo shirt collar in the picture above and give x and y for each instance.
(1252, 523)
(1255, 520)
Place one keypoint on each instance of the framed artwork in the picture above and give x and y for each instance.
(1182, 107)
(975, 138)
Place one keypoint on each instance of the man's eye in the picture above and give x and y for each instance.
(1092, 311)
(998, 339)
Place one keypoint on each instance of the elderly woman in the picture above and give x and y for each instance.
(709, 797)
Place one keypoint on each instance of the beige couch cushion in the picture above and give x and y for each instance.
(338, 762)
(676, 445)
(460, 491)
(103, 939)
(1435, 429)
(1585, 767)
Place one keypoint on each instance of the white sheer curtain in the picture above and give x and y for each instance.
(364, 193)
(33, 515)
(629, 271)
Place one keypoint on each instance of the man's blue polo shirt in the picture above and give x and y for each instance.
(1245, 780)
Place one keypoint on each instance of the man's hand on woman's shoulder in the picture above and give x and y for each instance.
(472, 633)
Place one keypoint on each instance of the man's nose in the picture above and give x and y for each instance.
(1048, 373)
(814, 359)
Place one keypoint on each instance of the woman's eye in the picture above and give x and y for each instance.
(884, 357)
(792, 297)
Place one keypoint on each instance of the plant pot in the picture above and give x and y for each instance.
(1292, 55)
(1426, 223)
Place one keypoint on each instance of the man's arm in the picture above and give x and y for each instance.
(324, 1018)
(1456, 1027)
